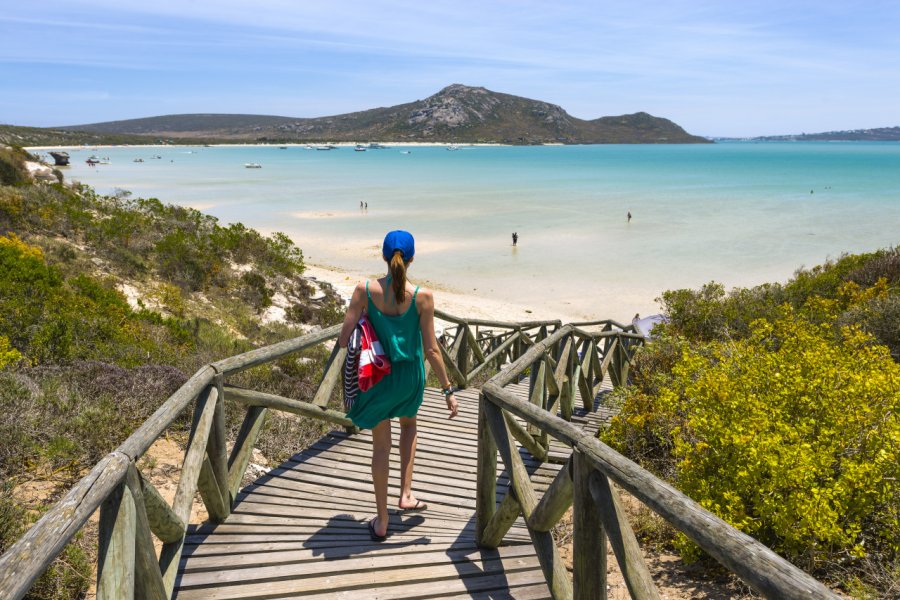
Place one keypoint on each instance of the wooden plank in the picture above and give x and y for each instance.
(384, 577)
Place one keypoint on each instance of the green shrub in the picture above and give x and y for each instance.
(12, 166)
(791, 435)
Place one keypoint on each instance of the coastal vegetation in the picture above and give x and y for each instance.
(82, 364)
(778, 408)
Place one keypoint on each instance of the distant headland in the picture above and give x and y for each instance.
(456, 114)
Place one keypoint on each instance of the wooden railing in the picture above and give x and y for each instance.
(132, 509)
(584, 484)
(564, 363)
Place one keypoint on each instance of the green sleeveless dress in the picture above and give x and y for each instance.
(400, 393)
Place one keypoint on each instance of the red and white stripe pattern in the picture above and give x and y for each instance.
(373, 363)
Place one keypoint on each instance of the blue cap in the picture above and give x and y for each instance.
(398, 240)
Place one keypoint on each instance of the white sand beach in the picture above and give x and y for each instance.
(462, 305)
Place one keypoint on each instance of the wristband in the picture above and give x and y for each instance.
(447, 390)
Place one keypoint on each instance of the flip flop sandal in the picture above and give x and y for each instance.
(375, 537)
(418, 507)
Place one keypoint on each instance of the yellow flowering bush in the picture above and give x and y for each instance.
(791, 434)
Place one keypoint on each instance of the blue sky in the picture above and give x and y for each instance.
(724, 68)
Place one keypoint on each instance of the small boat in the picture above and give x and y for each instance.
(360, 148)
(406, 152)
(282, 147)
(138, 160)
(451, 147)
(376, 146)
(252, 166)
(60, 158)
(328, 147)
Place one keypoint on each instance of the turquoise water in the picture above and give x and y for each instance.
(738, 213)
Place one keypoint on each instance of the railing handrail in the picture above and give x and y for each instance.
(29, 556)
(755, 563)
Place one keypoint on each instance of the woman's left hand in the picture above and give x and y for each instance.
(452, 406)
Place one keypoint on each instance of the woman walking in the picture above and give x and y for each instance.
(403, 319)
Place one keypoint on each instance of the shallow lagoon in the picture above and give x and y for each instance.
(738, 213)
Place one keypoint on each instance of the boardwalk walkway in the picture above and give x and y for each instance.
(301, 530)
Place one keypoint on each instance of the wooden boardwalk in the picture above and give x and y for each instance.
(301, 529)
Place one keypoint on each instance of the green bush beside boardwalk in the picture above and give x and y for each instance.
(80, 369)
(778, 409)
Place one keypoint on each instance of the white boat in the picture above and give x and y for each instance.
(406, 152)
(252, 166)
(359, 148)
(452, 147)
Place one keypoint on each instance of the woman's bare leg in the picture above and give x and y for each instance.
(408, 439)
(381, 455)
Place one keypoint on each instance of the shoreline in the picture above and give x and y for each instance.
(463, 305)
(388, 145)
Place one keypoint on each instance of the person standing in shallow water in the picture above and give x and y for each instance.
(515, 238)
(403, 319)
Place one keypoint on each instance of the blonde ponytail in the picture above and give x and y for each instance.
(398, 276)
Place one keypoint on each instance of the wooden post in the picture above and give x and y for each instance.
(333, 370)
(243, 446)
(452, 369)
(217, 450)
(115, 561)
(621, 538)
(163, 521)
(589, 543)
(208, 486)
(538, 390)
(507, 513)
(555, 502)
(298, 407)
(148, 581)
(544, 546)
(486, 491)
(462, 357)
(526, 439)
(187, 484)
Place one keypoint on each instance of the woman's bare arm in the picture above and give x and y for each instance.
(354, 312)
(425, 305)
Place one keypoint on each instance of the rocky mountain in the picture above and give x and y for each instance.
(456, 114)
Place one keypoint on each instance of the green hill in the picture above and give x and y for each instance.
(456, 114)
